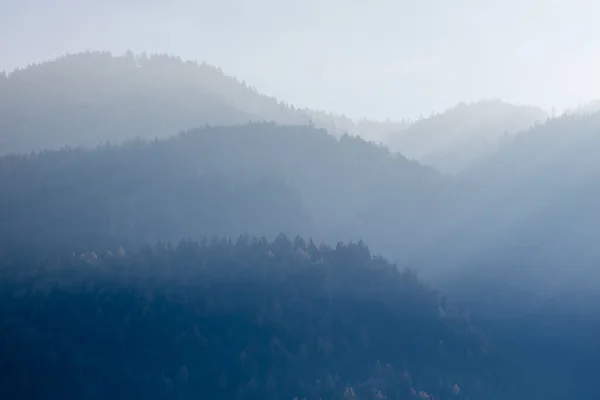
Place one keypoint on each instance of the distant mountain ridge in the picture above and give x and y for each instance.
(528, 214)
(588, 108)
(455, 139)
(91, 98)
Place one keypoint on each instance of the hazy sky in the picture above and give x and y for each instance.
(375, 58)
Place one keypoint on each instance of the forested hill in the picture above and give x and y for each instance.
(514, 237)
(261, 179)
(248, 319)
(92, 98)
(527, 217)
(461, 136)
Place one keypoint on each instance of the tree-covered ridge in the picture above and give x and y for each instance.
(244, 319)
(528, 215)
(92, 98)
(522, 216)
(463, 135)
(260, 179)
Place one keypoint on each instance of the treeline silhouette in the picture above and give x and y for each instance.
(236, 319)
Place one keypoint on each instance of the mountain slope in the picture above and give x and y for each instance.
(527, 215)
(246, 320)
(525, 218)
(513, 237)
(92, 98)
(452, 140)
(260, 179)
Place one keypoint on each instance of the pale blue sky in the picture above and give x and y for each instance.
(376, 58)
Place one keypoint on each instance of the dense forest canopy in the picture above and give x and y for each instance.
(248, 319)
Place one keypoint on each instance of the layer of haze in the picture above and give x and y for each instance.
(377, 59)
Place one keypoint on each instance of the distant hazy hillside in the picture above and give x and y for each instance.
(529, 213)
(377, 131)
(91, 98)
(454, 139)
(589, 108)
(261, 179)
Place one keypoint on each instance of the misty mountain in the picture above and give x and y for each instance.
(517, 218)
(588, 108)
(512, 237)
(376, 131)
(260, 179)
(455, 139)
(527, 215)
(91, 98)
(253, 319)
(524, 217)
